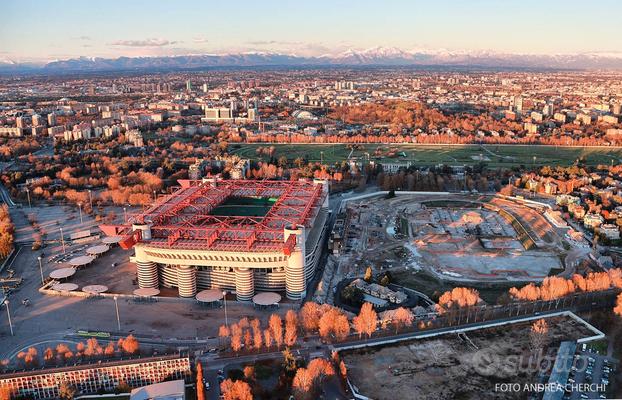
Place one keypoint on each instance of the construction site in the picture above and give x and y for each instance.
(458, 365)
(458, 239)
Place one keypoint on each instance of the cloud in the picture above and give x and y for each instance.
(152, 42)
(272, 42)
(82, 38)
(200, 39)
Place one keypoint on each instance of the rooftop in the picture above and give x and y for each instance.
(226, 215)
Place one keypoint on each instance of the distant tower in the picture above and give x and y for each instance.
(36, 120)
(51, 119)
(188, 86)
(518, 104)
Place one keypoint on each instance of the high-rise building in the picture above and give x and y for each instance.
(518, 104)
(205, 88)
(19, 122)
(188, 86)
(51, 119)
(36, 120)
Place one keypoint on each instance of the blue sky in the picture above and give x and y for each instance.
(59, 29)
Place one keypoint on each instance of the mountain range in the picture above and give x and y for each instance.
(377, 56)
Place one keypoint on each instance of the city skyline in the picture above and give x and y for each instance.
(63, 30)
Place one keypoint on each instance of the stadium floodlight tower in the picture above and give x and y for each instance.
(242, 236)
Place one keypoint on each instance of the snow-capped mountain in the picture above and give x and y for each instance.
(375, 56)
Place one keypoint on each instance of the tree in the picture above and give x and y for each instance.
(333, 322)
(267, 337)
(48, 355)
(257, 339)
(367, 320)
(249, 372)
(130, 345)
(200, 385)
(276, 328)
(402, 317)
(289, 361)
(5, 393)
(109, 350)
(368, 275)
(459, 297)
(291, 328)
(236, 338)
(618, 308)
(539, 334)
(67, 391)
(309, 316)
(238, 390)
(307, 379)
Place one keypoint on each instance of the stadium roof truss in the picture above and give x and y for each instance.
(184, 219)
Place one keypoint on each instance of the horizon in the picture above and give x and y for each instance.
(155, 29)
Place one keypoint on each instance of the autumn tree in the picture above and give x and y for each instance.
(200, 384)
(67, 391)
(289, 361)
(130, 345)
(249, 372)
(223, 333)
(618, 308)
(236, 337)
(291, 328)
(368, 275)
(267, 337)
(333, 322)
(276, 328)
(310, 316)
(238, 390)
(5, 392)
(307, 380)
(459, 297)
(538, 334)
(402, 317)
(367, 320)
(48, 355)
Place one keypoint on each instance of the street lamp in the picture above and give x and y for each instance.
(322, 157)
(125, 214)
(41, 270)
(154, 195)
(116, 306)
(80, 208)
(28, 194)
(224, 298)
(62, 239)
(8, 312)
(90, 199)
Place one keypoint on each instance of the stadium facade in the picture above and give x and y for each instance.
(238, 235)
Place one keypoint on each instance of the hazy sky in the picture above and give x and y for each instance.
(59, 29)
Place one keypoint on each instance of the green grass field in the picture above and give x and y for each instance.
(426, 155)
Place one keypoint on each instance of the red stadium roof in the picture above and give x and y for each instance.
(183, 219)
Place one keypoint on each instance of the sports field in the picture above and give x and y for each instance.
(426, 155)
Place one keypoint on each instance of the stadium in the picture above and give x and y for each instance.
(238, 235)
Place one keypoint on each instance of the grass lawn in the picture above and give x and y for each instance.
(426, 155)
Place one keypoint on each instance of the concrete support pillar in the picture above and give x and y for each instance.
(324, 184)
(295, 280)
(147, 272)
(244, 284)
(186, 281)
